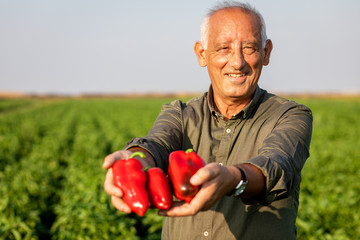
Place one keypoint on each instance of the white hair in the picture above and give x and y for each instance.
(231, 4)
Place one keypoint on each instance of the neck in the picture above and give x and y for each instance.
(230, 107)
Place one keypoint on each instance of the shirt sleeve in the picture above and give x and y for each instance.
(165, 136)
(284, 152)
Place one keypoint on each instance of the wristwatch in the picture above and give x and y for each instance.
(239, 189)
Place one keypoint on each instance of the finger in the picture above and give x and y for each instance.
(204, 199)
(204, 174)
(120, 205)
(175, 204)
(109, 186)
(109, 160)
(113, 157)
(199, 203)
(179, 209)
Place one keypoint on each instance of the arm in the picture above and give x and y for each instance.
(283, 154)
(256, 182)
(164, 137)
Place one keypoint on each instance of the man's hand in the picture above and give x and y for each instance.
(109, 187)
(215, 180)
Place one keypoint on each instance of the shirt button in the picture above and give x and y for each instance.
(206, 233)
(228, 130)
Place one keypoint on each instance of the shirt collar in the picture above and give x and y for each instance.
(211, 103)
(244, 113)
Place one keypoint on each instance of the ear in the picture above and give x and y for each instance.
(200, 53)
(268, 48)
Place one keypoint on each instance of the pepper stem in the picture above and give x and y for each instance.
(140, 154)
(189, 150)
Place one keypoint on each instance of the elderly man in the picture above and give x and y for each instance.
(254, 143)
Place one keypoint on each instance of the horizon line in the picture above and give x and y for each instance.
(306, 94)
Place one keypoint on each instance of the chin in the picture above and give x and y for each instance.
(238, 93)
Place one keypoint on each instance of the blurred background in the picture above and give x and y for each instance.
(117, 46)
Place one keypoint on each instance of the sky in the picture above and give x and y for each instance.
(118, 46)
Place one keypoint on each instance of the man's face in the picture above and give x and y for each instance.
(234, 55)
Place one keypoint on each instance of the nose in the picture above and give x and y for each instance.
(237, 60)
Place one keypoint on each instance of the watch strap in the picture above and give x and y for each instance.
(240, 187)
(243, 176)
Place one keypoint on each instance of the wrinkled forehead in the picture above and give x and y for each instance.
(228, 20)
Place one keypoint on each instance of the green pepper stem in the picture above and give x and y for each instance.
(189, 150)
(140, 154)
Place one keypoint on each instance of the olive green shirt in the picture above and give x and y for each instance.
(271, 133)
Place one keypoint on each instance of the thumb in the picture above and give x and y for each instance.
(203, 175)
(115, 156)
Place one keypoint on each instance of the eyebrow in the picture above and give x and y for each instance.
(220, 44)
(251, 42)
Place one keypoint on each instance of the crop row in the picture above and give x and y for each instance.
(329, 196)
(6, 105)
(30, 178)
(51, 176)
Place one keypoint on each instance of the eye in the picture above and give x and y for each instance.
(249, 50)
(223, 49)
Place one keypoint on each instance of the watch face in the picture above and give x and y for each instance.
(240, 189)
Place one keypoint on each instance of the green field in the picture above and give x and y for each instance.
(51, 180)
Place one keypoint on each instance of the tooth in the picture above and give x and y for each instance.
(236, 75)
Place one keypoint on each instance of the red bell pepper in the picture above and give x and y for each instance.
(130, 177)
(158, 188)
(182, 166)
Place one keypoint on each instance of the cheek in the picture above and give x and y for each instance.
(255, 64)
(256, 61)
(219, 61)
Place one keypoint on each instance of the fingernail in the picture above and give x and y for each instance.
(195, 180)
(118, 193)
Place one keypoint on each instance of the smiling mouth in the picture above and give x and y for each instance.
(236, 78)
(236, 75)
